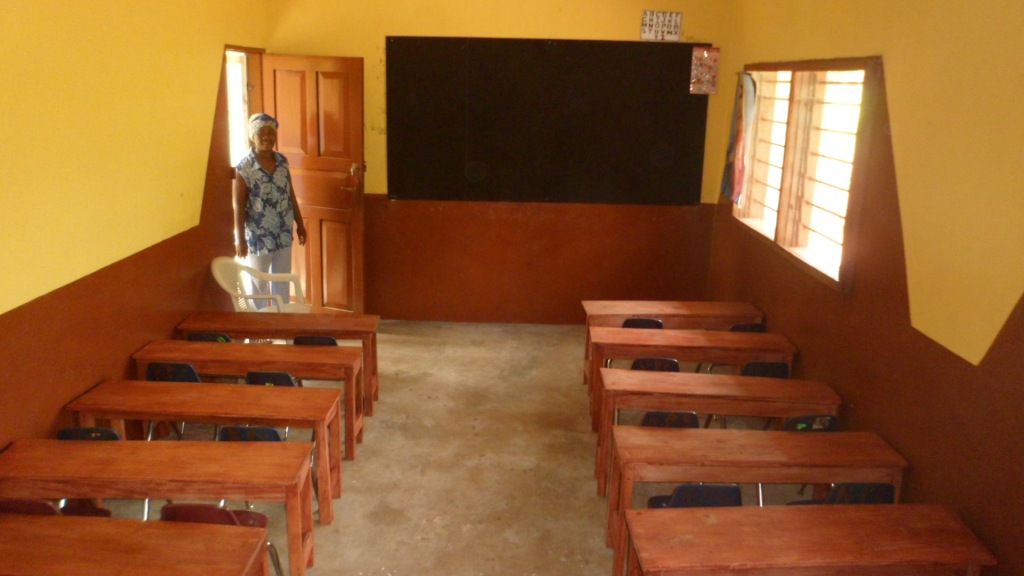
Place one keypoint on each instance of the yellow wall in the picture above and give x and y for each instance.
(330, 27)
(955, 78)
(107, 111)
(950, 67)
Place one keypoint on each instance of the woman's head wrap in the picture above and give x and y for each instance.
(257, 121)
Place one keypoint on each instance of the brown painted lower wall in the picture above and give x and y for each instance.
(958, 425)
(487, 262)
(59, 345)
(528, 262)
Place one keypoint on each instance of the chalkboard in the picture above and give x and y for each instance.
(582, 121)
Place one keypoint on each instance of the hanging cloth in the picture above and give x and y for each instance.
(740, 152)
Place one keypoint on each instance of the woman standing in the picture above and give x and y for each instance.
(265, 207)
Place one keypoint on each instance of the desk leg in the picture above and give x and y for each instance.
(140, 368)
(261, 567)
(604, 440)
(617, 559)
(587, 355)
(335, 453)
(623, 491)
(299, 511)
(87, 420)
(613, 502)
(350, 418)
(323, 472)
(633, 563)
(306, 506)
(594, 383)
(625, 500)
(117, 424)
(361, 399)
(367, 379)
(370, 350)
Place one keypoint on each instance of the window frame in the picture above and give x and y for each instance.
(253, 97)
(866, 128)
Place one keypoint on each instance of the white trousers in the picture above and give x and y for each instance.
(277, 262)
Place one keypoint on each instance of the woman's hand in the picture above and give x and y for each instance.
(300, 230)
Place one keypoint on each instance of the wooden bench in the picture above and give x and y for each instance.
(254, 471)
(316, 408)
(286, 326)
(306, 362)
(61, 545)
(683, 345)
(644, 454)
(705, 394)
(869, 539)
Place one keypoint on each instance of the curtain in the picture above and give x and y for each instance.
(740, 150)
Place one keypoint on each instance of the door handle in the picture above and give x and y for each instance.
(355, 170)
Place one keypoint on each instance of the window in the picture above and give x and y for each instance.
(238, 103)
(801, 156)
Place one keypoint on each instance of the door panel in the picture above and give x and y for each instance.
(332, 209)
(337, 283)
(336, 123)
(291, 110)
(319, 104)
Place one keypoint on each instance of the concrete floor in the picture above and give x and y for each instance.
(478, 460)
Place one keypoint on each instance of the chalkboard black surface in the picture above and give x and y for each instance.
(581, 121)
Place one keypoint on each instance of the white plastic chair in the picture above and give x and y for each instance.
(234, 278)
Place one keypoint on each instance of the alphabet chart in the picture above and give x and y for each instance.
(663, 26)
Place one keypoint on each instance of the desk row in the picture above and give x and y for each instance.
(278, 471)
(709, 464)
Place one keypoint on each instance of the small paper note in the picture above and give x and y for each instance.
(704, 70)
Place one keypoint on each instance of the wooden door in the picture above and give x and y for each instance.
(319, 104)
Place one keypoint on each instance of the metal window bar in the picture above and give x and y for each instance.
(820, 234)
(771, 119)
(762, 162)
(823, 208)
(820, 154)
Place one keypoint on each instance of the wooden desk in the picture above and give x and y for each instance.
(674, 314)
(236, 359)
(705, 394)
(880, 539)
(683, 345)
(316, 408)
(677, 315)
(645, 454)
(272, 471)
(60, 545)
(286, 326)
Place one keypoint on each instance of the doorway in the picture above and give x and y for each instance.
(318, 102)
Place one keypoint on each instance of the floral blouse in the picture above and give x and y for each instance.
(269, 214)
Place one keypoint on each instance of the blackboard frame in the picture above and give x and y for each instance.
(584, 121)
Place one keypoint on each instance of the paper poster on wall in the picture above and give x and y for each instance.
(661, 26)
(704, 70)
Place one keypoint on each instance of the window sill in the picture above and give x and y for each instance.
(760, 226)
(789, 254)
